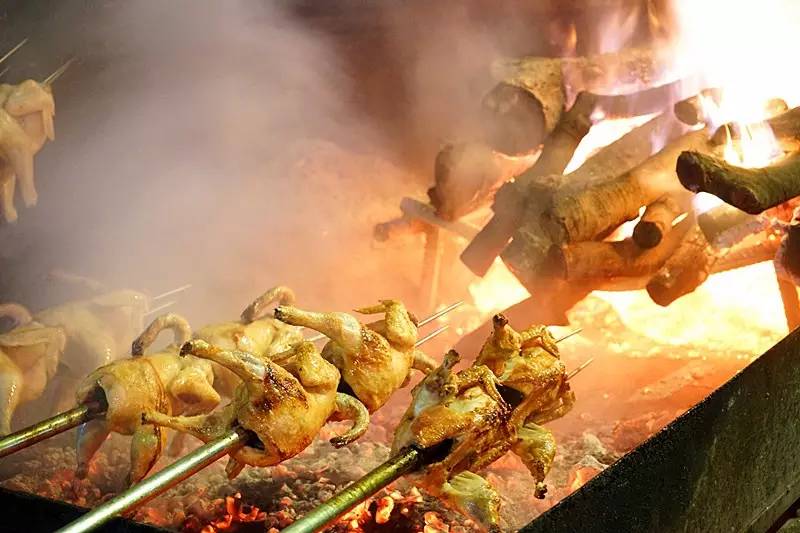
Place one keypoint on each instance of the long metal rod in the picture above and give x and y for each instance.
(172, 291)
(405, 461)
(52, 426)
(13, 50)
(424, 321)
(159, 482)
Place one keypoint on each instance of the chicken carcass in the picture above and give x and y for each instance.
(99, 330)
(29, 357)
(374, 359)
(485, 411)
(26, 123)
(165, 382)
(284, 401)
(253, 333)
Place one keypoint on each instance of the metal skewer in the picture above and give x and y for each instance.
(160, 308)
(171, 292)
(197, 460)
(579, 369)
(159, 482)
(13, 50)
(424, 321)
(49, 80)
(406, 461)
(52, 426)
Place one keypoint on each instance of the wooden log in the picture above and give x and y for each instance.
(397, 227)
(791, 302)
(752, 190)
(467, 175)
(725, 226)
(658, 218)
(744, 255)
(425, 213)
(787, 258)
(531, 241)
(694, 110)
(528, 102)
(684, 271)
(584, 211)
(601, 261)
(785, 127)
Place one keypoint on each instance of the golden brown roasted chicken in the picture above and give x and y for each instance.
(26, 122)
(283, 401)
(29, 356)
(374, 359)
(253, 333)
(485, 411)
(165, 382)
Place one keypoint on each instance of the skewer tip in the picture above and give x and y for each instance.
(49, 80)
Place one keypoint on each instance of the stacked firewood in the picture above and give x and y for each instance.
(558, 232)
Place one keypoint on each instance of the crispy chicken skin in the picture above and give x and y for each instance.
(375, 359)
(29, 356)
(465, 411)
(481, 413)
(283, 401)
(163, 382)
(529, 363)
(26, 122)
(253, 333)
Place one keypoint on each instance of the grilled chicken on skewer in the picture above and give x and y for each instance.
(164, 382)
(374, 359)
(99, 330)
(254, 333)
(485, 411)
(29, 357)
(284, 401)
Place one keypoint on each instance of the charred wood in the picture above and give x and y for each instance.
(528, 102)
(659, 217)
(752, 190)
(397, 227)
(691, 110)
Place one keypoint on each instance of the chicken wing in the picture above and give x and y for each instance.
(165, 382)
(284, 406)
(29, 356)
(374, 359)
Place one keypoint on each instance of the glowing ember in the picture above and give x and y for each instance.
(384, 511)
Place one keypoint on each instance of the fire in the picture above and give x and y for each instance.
(236, 512)
(497, 290)
(742, 48)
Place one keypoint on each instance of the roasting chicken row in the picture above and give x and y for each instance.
(26, 122)
(477, 415)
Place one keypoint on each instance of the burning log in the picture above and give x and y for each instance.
(467, 176)
(725, 225)
(692, 111)
(752, 190)
(684, 271)
(785, 127)
(404, 225)
(528, 102)
(600, 261)
(518, 206)
(658, 219)
(584, 211)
